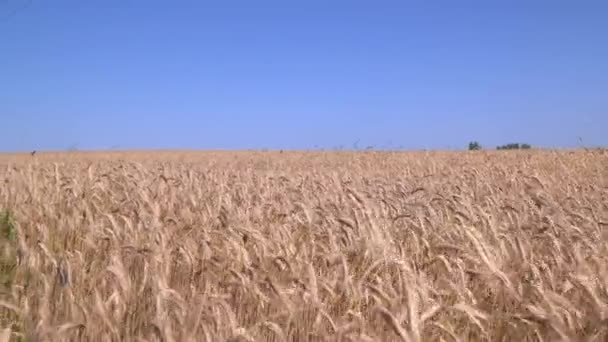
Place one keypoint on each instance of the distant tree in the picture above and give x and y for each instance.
(514, 146)
(474, 146)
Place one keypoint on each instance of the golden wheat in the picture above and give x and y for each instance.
(302, 246)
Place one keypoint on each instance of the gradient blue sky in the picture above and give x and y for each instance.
(301, 74)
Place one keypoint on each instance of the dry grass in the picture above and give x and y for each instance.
(185, 246)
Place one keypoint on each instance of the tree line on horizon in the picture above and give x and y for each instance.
(475, 146)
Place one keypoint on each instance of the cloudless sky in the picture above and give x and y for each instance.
(129, 74)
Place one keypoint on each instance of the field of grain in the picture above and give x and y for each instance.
(304, 246)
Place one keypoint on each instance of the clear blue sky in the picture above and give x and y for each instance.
(301, 74)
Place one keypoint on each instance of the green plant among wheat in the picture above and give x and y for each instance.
(8, 237)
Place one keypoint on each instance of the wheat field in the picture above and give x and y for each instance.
(304, 246)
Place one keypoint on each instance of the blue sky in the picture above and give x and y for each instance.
(301, 74)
